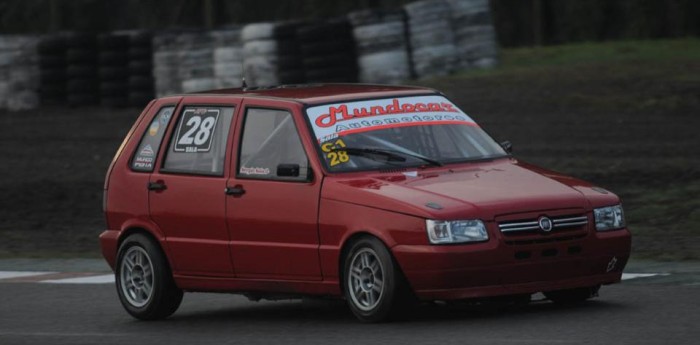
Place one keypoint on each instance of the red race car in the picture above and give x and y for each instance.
(381, 195)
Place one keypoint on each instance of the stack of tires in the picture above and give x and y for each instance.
(19, 73)
(52, 64)
(328, 50)
(432, 40)
(113, 72)
(140, 65)
(228, 58)
(382, 52)
(271, 54)
(475, 34)
(82, 78)
(166, 64)
(196, 68)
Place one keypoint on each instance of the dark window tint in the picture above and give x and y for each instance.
(270, 139)
(146, 154)
(198, 143)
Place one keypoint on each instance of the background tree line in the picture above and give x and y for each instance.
(518, 22)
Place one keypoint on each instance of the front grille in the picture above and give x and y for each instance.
(560, 222)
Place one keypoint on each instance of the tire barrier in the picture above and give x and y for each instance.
(381, 45)
(19, 73)
(271, 54)
(423, 39)
(228, 58)
(52, 70)
(82, 81)
(166, 64)
(113, 72)
(475, 34)
(432, 39)
(196, 56)
(328, 52)
(140, 89)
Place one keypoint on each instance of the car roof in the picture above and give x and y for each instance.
(323, 93)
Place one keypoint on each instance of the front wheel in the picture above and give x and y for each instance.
(144, 283)
(371, 280)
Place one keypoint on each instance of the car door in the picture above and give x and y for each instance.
(187, 199)
(272, 209)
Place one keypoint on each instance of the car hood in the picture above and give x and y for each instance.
(475, 190)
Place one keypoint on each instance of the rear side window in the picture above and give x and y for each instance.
(198, 143)
(270, 139)
(150, 142)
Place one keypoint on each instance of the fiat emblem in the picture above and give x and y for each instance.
(545, 224)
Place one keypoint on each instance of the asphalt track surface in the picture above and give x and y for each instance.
(654, 310)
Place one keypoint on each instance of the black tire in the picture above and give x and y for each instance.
(51, 46)
(80, 86)
(113, 42)
(113, 89)
(139, 99)
(573, 296)
(81, 99)
(52, 61)
(324, 31)
(81, 41)
(113, 73)
(113, 58)
(141, 39)
(379, 265)
(81, 56)
(141, 67)
(140, 82)
(81, 71)
(165, 297)
(54, 75)
(327, 47)
(114, 102)
(140, 53)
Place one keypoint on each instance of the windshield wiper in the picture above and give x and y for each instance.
(391, 154)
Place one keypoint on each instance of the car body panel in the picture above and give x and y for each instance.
(290, 237)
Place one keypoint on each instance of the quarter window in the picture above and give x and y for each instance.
(198, 143)
(271, 141)
(147, 151)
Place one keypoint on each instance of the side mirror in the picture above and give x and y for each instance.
(508, 146)
(288, 170)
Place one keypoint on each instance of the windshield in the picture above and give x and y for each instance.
(397, 132)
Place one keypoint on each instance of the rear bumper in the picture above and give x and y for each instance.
(108, 244)
(494, 268)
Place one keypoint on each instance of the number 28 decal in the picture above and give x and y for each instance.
(196, 130)
(334, 153)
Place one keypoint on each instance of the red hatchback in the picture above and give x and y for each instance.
(378, 194)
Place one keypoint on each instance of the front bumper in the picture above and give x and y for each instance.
(494, 268)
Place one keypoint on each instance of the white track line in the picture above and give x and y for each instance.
(16, 274)
(101, 279)
(627, 276)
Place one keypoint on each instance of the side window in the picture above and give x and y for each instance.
(198, 143)
(271, 148)
(148, 148)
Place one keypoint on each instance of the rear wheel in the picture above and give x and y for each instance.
(371, 281)
(144, 282)
(573, 296)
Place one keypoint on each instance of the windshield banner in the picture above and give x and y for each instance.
(333, 120)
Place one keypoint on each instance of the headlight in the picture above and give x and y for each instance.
(456, 231)
(609, 218)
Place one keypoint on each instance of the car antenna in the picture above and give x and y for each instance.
(243, 84)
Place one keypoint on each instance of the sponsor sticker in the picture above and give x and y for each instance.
(254, 171)
(334, 120)
(147, 151)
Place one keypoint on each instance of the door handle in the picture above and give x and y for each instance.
(159, 185)
(236, 190)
